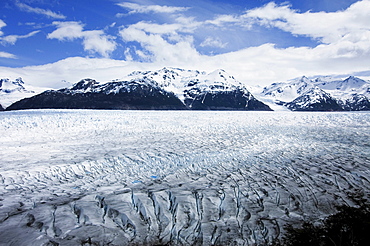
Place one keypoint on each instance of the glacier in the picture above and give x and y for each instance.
(107, 177)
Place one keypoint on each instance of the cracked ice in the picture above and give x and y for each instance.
(76, 177)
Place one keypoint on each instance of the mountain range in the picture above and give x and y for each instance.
(165, 89)
(322, 93)
(179, 89)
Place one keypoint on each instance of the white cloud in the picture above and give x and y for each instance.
(327, 27)
(163, 42)
(145, 9)
(2, 24)
(7, 55)
(343, 34)
(221, 20)
(95, 41)
(128, 55)
(68, 30)
(12, 39)
(72, 70)
(213, 42)
(48, 13)
(154, 28)
(173, 28)
(160, 49)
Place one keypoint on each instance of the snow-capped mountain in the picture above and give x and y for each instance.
(12, 91)
(287, 92)
(179, 80)
(201, 90)
(8, 86)
(315, 99)
(352, 93)
(168, 88)
(91, 94)
(349, 85)
(355, 102)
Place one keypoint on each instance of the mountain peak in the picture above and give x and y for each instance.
(316, 91)
(314, 99)
(8, 86)
(353, 79)
(169, 69)
(85, 84)
(14, 90)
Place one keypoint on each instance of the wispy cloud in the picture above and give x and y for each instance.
(221, 20)
(172, 28)
(12, 39)
(7, 55)
(46, 12)
(213, 42)
(135, 8)
(94, 41)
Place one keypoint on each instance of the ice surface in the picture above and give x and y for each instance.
(80, 177)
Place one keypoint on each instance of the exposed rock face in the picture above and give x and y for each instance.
(237, 99)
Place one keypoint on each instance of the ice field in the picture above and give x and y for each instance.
(95, 177)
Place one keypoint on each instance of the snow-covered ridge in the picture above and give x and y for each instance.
(351, 93)
(8, 86)
(178, 80)
(15, 90)
(288, 91)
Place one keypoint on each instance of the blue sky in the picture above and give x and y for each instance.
(258, 41)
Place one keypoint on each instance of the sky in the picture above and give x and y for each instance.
(50, 42)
